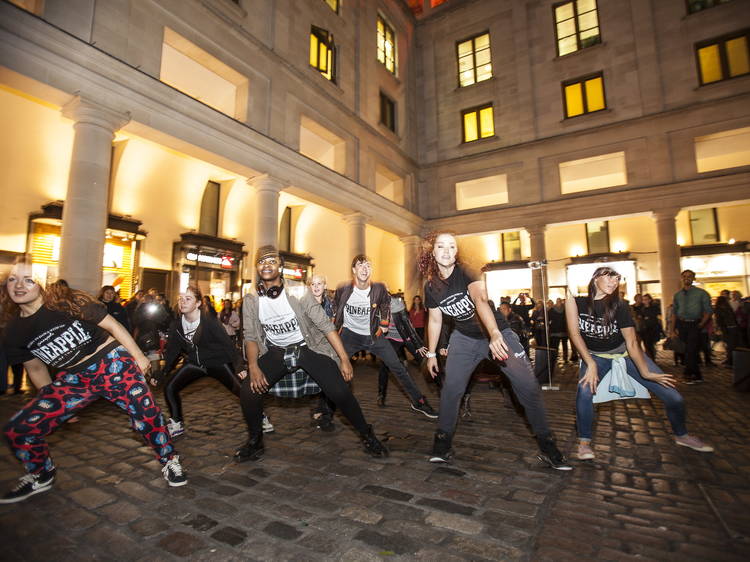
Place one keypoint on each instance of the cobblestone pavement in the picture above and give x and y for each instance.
(317, 496)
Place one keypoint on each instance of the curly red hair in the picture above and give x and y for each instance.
(426, 263)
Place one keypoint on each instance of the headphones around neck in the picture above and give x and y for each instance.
(272, 292)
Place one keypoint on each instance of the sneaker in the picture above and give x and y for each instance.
(585, 452)
(267, 425)
(550, 455)
(372, 445)
(424, 407)
(325, 423)
(441, 448)
(172, 472)
(250, 451)
(466, 406)
(381, 399)
(28, 485)
(694, 443)
(175, 428)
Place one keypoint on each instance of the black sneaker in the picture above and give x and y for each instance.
(28, 485)
(325, 423)
(250, 451)
(551, 455)
(441, 448)
(372, 445)
(424, 407)
(173, 473)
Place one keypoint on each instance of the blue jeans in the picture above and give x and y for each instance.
(673, 401)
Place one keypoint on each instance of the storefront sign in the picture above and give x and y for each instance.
(226, 262)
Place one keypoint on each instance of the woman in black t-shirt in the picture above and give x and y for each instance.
(601, 327)
(71, 332)
(456, 291)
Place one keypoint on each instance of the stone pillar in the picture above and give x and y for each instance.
(357, 234)
(669, 256)
(267, 189)
(411, 274)
(85, 211)
(538, 253)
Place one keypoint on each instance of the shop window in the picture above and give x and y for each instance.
(597, 172)
(699, 5)
(333, 4)
(482, 192)
(704, 226)
(195, 72)
(597, 237)
(322, 145)
(386, 45)
(723, 58)
(389, 184)
(323, 53)
(478, 123)
(209, 218)
(727, 149)
(584, 95)
(576, 26)
(511, 242)
(474, 60)
(285, 231)
(388, 112)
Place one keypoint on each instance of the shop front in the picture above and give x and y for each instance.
(211, 263)
(718, 266)
(121, 248)
(297, 271)
(507, 279)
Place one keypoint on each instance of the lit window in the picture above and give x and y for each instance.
(387, 112)
(478, 123)
(482, 192)
(703, 227)
(323, 52)
(333, 4)
(511, 243)
(576, 26)
(474, 61)
(584, 95)
(596, 172)
(386, 45)
(698, 5)
(721, 59)
(597, 237)
(719, 151)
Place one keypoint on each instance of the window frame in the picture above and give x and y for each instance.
(582, 80)
(387, 27)
(472, 38)
(717, 231)
(326, 38)
(386, 100)
(588, 238)
(721, 42)
(476, 109)
(579, 47)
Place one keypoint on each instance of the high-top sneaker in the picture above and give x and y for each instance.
(550, 454)
(441, 448)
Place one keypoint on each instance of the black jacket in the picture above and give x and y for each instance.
(211, 346)
(380, 305)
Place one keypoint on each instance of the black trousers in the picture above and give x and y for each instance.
(188, 374)
(321, 368)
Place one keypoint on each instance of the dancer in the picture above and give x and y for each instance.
(363, 313)
(601, 328)
(200, 338)
(97, 358)
(454, 290)
(284, 333)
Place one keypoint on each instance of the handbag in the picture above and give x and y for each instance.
(674, 344)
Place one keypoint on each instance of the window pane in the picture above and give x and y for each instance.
(484, 72)
(597, 233)
(511, 246)
(587, 21)
(465, 63)
(323, 57)
(464, 48)
(564, 12)
(313, 50)
(470, 126)
(584, 6)
(703, 226)
(573, 100)
(466, 78)
(589, 37)
(737, 56)
(595, 94)
(482, 42)
(483, 57)
(567, 45)
(710, 64)
(566, 29)
(486, 121)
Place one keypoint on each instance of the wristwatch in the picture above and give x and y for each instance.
(430, 354)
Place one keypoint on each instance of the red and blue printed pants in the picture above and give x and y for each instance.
(114, 377)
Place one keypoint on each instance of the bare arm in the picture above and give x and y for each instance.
(258, 380)
(434, 323)
(119, 332)
(38, 372)
(338, 346)
(478, 293)
(591, 379)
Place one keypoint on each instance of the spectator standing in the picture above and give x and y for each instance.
(108, 296)
(692, 311)
(418, 316)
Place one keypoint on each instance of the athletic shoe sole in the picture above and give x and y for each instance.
(176, 484)
(548, 462)
(704, 449)
(431, 416)
(44, 488)
(587, 457)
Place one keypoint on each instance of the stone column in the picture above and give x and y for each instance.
(267, 189)
(411, 274)
(85, 211)
(538, 253)
(357, 223)
(669, 256)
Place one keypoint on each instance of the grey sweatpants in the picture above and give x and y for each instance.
(464, 354)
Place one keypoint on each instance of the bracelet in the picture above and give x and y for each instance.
(430, 354)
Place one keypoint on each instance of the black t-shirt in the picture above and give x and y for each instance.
(597, 335)
(56, 338)
(451, 296)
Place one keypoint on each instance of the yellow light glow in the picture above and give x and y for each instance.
(577, 251)
(491, 247)
(619, 246)
(680, 241)
(731, 241)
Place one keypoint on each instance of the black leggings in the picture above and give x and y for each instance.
(190, 373)
(321, 368)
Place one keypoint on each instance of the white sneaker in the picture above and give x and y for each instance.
(267, 425)
(172, 472)
(175, 428)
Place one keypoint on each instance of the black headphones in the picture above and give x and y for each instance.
(272, 292)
